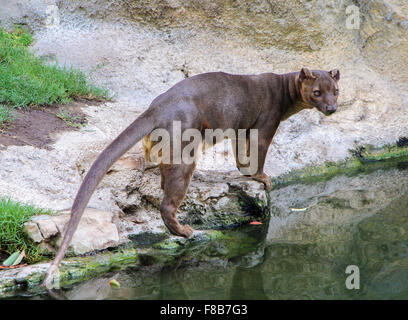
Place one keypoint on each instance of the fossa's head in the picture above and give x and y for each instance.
(320, 89)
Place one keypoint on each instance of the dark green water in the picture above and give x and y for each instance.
(360, 220)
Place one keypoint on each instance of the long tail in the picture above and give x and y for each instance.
(129, 137)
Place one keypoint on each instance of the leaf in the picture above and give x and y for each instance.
(137, 221)
(114, 283)
(13, 267)
(19, 258)
(10, 260)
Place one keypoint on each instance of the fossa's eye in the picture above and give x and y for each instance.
(317, 93)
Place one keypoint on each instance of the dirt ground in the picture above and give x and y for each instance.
(39, 127)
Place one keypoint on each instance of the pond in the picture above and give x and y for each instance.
(359, 221)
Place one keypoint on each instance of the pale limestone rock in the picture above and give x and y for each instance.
(46, 225)
(32, 230)
(96, 231)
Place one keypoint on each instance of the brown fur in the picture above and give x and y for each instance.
(217, 101)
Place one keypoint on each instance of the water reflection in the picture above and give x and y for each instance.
(359, 220)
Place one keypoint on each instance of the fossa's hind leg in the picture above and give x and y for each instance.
(148, 144)
(175, 181)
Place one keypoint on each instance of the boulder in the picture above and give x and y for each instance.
(96, 231)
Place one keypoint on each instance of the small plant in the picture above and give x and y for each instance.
(6, 116)
(20, 37)
(13, 215)
(71, 119)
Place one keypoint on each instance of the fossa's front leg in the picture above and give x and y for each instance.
(259, 175)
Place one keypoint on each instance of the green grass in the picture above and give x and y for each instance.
(13, 215)
(6, 115)
(28, 81)
(71, 119)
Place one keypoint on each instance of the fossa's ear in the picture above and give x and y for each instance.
(305, 73)
(335, 74)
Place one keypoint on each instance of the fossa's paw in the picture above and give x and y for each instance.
(181, 230)
(187, 231)
(265, 179)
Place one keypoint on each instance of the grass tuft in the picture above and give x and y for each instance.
(71, 119)
(27, 80)
(6, 116)
(13, 215)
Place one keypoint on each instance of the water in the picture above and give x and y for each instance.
(360, 221)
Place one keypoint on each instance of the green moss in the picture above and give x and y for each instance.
(238, 248)
(364, 159)
(79, 269)
(202, 246)
(387, 152)
(227, 219)
(167, 245)
(212, 235)
(148, 238)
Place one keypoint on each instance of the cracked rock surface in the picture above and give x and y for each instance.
(96, 231)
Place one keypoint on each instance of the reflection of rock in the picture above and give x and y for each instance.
(391, 282)
(285, 266)
(96, 231)
(247, 284)
(350, 221)
(94, 289)
(335, 207)
(303, 271)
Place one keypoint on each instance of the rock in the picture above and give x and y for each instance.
(47, 226)
(384, 35)
(33, 231)
(79, 269)
(213, 199)
(129, 162)
(31, 272)
(96, 231)
(71, 271)
(30, 13)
